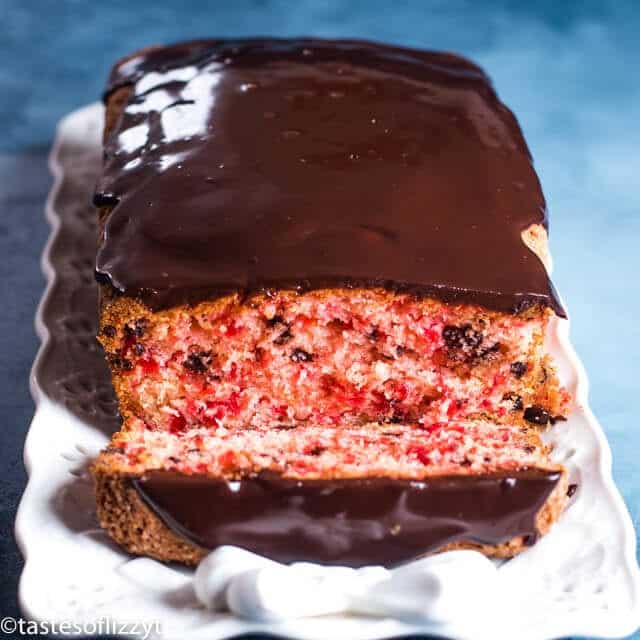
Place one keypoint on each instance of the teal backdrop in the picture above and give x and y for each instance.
(569, 70)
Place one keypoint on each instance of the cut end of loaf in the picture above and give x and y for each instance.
(328, 358)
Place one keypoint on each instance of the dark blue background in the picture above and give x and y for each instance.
(570, 71)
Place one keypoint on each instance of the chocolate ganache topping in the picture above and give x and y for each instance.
(251, 164)
(351, 522)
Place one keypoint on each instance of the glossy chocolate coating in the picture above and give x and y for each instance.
(253, 164)
(351, 522)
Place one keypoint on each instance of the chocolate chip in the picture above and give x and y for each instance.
(272, 322)
(471, 337)
(138, 349)
(536, 415)
(452, 336)
(374, 334)
(284, 337)
(571, 489)
(316, 451)
(300, 355)
(486, 354)
(120, 363)
(138, 328)
(109, 330)
(515, 399)
(198, 362)
(518, 369)
(463, 336)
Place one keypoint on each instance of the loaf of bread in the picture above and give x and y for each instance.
(324, 305)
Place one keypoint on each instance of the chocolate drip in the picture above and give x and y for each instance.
(250, 164)
(351, 522)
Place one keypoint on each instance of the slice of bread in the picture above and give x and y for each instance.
(374, 494)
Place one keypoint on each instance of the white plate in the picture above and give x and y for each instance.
(582, 579)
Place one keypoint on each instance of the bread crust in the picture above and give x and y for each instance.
(125, 517)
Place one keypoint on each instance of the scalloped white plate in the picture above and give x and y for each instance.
(582, 579)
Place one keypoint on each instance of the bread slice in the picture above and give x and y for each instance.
(373, 494)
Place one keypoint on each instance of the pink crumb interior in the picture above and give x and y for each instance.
(327, 360)
(367, 450)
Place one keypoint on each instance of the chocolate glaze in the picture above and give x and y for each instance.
(352, 522)
(251, 164)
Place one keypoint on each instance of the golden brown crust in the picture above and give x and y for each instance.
(133, 525)
(130, 522)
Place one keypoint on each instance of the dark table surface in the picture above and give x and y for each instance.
(569, 71)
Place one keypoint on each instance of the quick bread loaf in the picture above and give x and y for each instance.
(324, 305)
